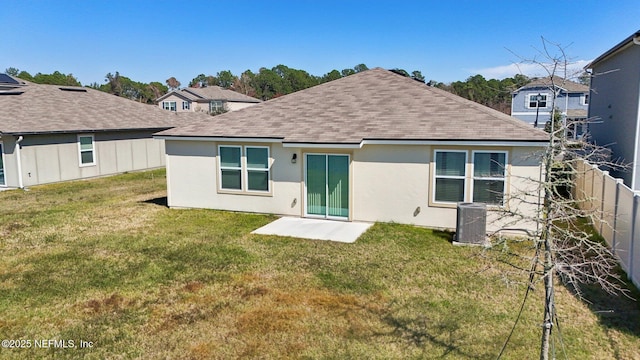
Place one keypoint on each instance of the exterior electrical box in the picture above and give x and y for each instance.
(471, 223)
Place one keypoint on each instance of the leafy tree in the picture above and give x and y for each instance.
(244, 83)
(123, 86)
(173, 83)
(56, 78)
(198, 81)
(360, 67)
(330, 76)
(402, 72)
(12, 71)
(25, 76)
(417, 75)
(225, 79)
(157, 89)
(268, 84)
(584, 78)
(347, 72)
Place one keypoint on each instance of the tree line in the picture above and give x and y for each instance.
(269, 83)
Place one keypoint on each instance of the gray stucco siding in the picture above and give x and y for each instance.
(614, 107)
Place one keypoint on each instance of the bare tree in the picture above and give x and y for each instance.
(564, 248)
(173, 83)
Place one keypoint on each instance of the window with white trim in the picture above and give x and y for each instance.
(257, 168)
(584, 99)
(533, 102)
(186, 105)
(244, 168)
(216, 106)
(169, 105)
(489, 173)
(486, 183)
(450, 175)
(86, 150)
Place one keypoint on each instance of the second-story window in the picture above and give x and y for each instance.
(537, 101)
(186, 105)
(584, 99)
(169, 105)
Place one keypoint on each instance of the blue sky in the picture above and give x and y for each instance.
(447, 40)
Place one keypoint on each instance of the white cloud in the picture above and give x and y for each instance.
(531, 70)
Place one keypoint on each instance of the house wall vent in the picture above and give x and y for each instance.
(471, 223)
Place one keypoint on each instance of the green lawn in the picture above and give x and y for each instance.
(104, 261)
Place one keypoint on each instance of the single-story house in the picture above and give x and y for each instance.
(210, 99)
(51, 133)
(374, 146)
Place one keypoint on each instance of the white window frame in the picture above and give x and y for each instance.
(584, 99)
(247, 168)
(529, 101)
(169, 105)
(186, 105)
(216, 105)
(436, 176)
(503, 178)
(220, 168)
(4, 165)
(244, 170)
(93, 150)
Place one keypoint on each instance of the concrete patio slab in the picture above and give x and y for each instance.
(316, 229)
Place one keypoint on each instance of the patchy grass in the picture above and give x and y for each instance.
(103, 261)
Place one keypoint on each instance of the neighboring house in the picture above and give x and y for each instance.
(51, 133)
(615, 105)
(374, 146)
(534, 102)
(210, 99)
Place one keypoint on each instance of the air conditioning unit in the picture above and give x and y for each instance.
(471, 223)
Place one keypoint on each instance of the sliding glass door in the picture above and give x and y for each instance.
(327, 185)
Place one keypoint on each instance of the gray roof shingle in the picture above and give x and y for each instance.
(568, 85)
(210, 93)
(37, 108)
(371, 105)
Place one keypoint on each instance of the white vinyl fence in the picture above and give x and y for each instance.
(616, 216)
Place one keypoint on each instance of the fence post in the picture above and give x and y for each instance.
(635, 234)
(615, 215)
(602, 194)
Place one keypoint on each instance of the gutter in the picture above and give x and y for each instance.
(19, 161)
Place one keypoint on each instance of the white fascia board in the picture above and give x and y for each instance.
(540, 113)
(218, 139)
(458, 142)
(322, 146)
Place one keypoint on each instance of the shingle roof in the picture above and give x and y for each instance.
(211, 93)
(565, 84)
(374, 105)
(39, 108)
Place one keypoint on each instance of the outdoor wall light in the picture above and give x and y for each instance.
(294, 158)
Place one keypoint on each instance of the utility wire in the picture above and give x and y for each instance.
(561, 340)
(526, 295)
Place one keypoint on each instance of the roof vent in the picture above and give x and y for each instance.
(76, 89)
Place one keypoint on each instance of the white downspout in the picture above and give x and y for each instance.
(634, 172)
(19, 161)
